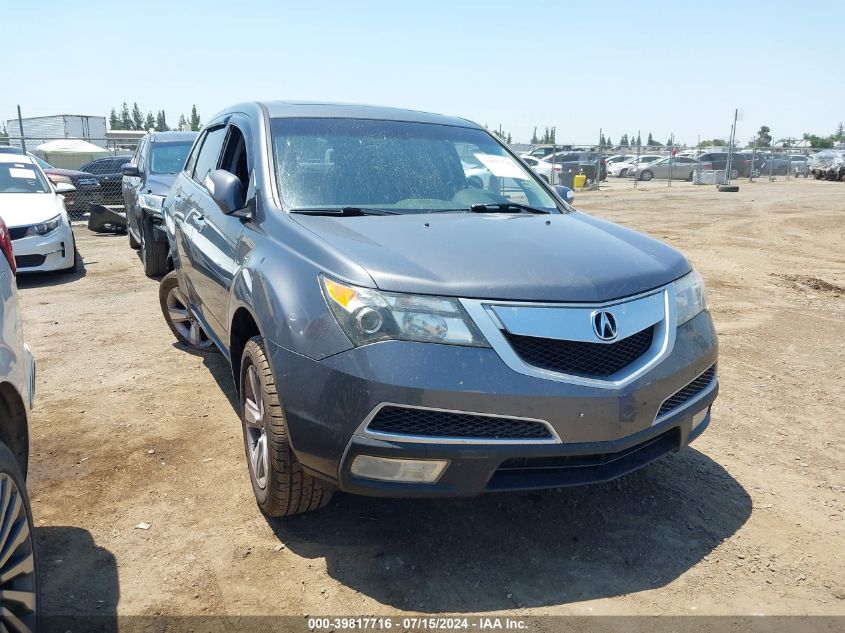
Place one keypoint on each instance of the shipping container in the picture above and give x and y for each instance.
(85, 127)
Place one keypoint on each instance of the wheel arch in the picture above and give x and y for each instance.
(14, 425)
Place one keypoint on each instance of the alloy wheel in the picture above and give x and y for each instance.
(17, 561)
(255, 427)
(184, 322)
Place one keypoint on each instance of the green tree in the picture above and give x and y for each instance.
(623, 141)
(509, 139)
(716, 142)
(137, 117)
(650, 140)
(125, 118)
(114, 121)
(609, 142)
(161, 122)
(764, 139)
(150, 121)
(639, 140)
(819, 142)
(196, 124)
(839, 135)
(534, 139)
(183, 123)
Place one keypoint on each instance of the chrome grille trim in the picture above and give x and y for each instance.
(364, 431)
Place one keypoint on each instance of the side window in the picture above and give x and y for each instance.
(192, 158)
(236, 160)
(142, 158)
(209, 153)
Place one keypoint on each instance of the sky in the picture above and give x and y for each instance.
(661, 67)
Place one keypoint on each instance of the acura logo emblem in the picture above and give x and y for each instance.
(604, 325)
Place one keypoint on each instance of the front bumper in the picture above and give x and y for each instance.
(326, 403)
(44, 253)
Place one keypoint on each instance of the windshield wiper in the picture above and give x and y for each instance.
(506, 207)
(345, 212)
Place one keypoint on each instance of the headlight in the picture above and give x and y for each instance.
(690, 297)
(45, 227)
(151, 202)
(56, 179)
(368, 315)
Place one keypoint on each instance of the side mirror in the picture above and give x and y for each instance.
(225, 189)
(565, 193)
(131, 170)
(64, 187)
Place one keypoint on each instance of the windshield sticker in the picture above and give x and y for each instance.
(17, 172)
(502, 166)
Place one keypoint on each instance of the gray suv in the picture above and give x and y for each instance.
(397, 328)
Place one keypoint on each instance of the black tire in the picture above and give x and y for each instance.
(622, 173)
(734, 173)
(690, 177)
(153, 254)
(817, 174)
(729, 188)
(646, 175)
(21, 597)
(133, 243)
(187, 330)
(287, 490)
(77, 261)
(545, 178)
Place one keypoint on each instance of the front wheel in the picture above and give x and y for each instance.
(153, 253)
(646, 175)
(623, 173)
(77, 260)
(19, 599)
(280, 485)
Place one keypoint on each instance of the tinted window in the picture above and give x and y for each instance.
(168, 158)
(209, 153)
(236, 161)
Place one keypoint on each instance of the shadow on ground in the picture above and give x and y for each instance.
(42, 280)
(501, 551)
(79, 582)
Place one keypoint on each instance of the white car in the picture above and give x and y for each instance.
(540, 167)
(35, 214)
(20, 596)
(627, 168)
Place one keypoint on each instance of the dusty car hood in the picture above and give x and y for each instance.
(23, 209)
(573, 257)
(159, 184)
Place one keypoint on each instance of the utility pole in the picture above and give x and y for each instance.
(20, 125)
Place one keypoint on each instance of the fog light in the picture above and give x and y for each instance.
(406, 470)
(699, 417)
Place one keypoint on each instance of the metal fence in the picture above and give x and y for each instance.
(668, 164)
(91, 166)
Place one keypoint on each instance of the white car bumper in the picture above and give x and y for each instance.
(42, 253)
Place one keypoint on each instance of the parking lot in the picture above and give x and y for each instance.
(128, 429)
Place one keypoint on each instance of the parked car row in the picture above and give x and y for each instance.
(389, 254)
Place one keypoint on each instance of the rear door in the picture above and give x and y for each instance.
(131, 186)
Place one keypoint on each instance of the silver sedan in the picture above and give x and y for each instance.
(681, 168)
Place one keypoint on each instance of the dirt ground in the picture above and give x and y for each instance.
(129, 428)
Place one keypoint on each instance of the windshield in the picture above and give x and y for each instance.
(41, 163)
(398, 166)
(22, 177)
(169, 158)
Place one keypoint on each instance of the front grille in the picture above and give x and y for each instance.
(578, 357)
(690, 391)
(571, 470)
(17, 232)
(88, 182)
(429, 423)
(29, 261)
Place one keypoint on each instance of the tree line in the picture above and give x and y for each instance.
(134, 119)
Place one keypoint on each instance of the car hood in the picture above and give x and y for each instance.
(66, 172)
(159, 184)
(572, 257)
(23, 209)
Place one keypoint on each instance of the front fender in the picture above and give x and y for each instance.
(288, 307)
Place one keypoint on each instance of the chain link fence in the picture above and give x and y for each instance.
(92, 166)
(631, 165)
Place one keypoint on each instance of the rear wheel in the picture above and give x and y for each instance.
(153, 253)
(280, 485)
(646, 175)
(174, 307)
(19, 599)
(623, 173)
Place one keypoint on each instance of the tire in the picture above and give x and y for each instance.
(755, 173)
(728, 188)
(77, 261)
(153, 254)
(21, 597)
(734, 173)
(622, 173)
(817, 175)
(690, 177)
(545, 178)
(280, 485)
(133, 243)
(646, 175)
(174, 307)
